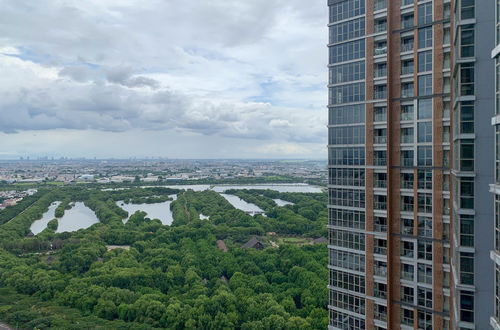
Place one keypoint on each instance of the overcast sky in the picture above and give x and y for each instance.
(170, 78)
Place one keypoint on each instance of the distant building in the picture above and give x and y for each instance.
(254, 243)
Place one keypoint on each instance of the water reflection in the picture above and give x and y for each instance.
(39, 225)
(78, 217)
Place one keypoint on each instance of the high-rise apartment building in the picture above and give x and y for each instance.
(495, 187)
(410, 163)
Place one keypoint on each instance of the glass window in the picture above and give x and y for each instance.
(425, 61)
(425, 85)
(425, 109)
(425, 37)
(467, 306)
(424, 156)
(467, 40)
(466, 79)
(467, 230)
(467, 155)
(467, 268)
(467, 9)
(467, 193)
(424, 179)
(406, 112)
(425, 131)
(425, 250)
(425, 13)
(467, 117)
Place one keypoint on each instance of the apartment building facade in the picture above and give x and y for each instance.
(410, 162)
(495, 187)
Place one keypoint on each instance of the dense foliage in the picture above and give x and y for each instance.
(164, 277)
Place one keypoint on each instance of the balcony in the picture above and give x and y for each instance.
(407, 207)
(380, 250)
(407, 253)
(407, 92)
(407, 47)
(380, 93)
(380, 228)
(381, 316)
(380, 183)
(380, 50)
(380, 271)
(380, 205)
(407, 69)
(407, 230)
(380, 73)
(380, 293)
(405, 275)
(380, 27)
(407, 162)
(379, 139)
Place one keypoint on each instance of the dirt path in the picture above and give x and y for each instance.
(4, 326)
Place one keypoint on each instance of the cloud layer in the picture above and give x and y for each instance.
(229, 70)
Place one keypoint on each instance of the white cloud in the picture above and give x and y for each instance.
(231, 70)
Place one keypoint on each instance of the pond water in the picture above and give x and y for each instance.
(242, 205)
(78, 217)
(281, 202)
(160, 211)
(39, 225)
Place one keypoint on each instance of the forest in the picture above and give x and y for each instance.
(141, 274)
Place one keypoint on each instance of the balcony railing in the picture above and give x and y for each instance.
(407, 207)
(380, 205)
(406, 161)
(380, 271)
(406, 230)
(407, 24)
(408, 47)
(380, 50)
(407, 70)
(381, 251)
(380, 294)
(380, 94)
(382, 316)
(407, 275)
(407, 92)
(379, 73)
(406, 138)
(407, 253)
(380, 27)
(380, 228)
(380, 139)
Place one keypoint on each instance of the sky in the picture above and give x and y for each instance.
(163, 78)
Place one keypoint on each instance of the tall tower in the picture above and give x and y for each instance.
(495, 187)
(408, 196)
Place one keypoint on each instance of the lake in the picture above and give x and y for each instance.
(79, 217)
(160, 211)
(39, 225)
(238, 203)
(281, 202)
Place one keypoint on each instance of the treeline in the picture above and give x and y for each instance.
(171, 277)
